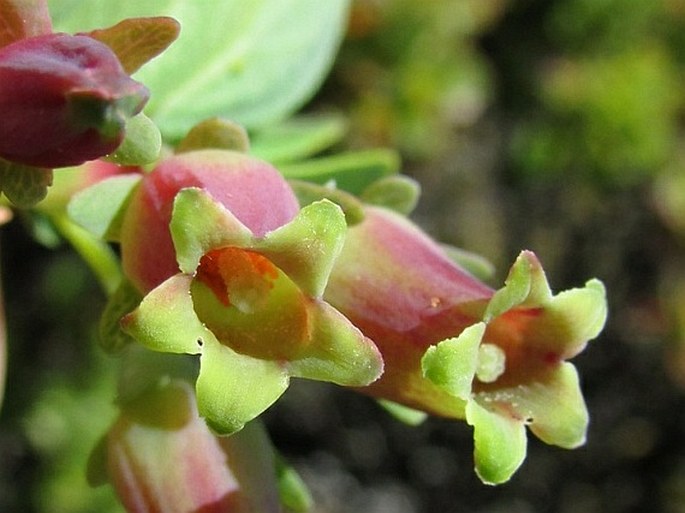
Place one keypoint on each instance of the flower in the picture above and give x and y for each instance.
(235, 272)
(64, 99)
(454, 347)
(160, 456)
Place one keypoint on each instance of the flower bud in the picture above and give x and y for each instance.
(63, 100)
(161, 456)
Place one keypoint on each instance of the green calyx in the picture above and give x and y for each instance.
(88, 109)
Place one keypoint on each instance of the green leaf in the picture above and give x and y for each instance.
(253, 61)
(298, 138)
(233, 389)
(500, 443)
(399, 193)
(135, 41)
(452, 363)
(24, 185)
(476, 264)
(215, 133)
(166, 321)
(403, 413)
(306, 248)
(99, 256)
(253, 461)
(308, 192)
(142, 143)
(353, 171)
(100, 208)
(293, 491)
(124, 299)
(199, 223)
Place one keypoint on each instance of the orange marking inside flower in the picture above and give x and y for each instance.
(232, 271)
(511, 332)
(250, 305)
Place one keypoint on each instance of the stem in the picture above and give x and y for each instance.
(96, 253)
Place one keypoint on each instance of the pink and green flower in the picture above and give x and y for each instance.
(454, 347)
(234, 272)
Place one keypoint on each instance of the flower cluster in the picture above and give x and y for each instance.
(222, 260)
(234, 270)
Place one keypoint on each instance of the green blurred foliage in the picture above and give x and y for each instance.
(609, 105)
(410, 72)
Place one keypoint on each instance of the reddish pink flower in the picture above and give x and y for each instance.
(63, 100)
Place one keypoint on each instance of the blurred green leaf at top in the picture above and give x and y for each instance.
(251, 61)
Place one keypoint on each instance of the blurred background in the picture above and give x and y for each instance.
(552, 125)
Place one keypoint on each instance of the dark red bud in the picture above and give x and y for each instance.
(64, 100)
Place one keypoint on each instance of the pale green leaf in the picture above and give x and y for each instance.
(475, 264)
(398, 192)
(215, 133)
(353, 171)
(24, 185)
(308, 192)
(403, 413)
(124, 300)
(298, 138)
(251, 61)
(293, 491)
(99, 208)
(252, 459)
